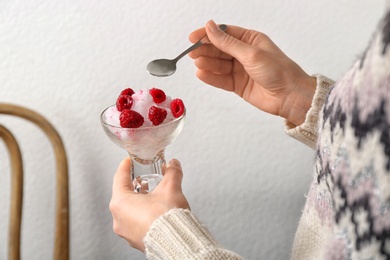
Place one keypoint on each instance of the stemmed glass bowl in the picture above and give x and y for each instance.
(146, 147)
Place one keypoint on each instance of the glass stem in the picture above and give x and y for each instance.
(146, 174)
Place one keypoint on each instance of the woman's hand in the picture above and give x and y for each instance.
(248, 63)
(134, 213)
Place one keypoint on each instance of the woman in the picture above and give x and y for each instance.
(347, 212)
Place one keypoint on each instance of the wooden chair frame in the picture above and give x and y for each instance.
(61, 244)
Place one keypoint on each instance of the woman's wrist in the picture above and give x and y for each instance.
(300, 100)
(307, 131)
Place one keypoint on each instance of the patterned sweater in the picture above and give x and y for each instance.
(347, 211)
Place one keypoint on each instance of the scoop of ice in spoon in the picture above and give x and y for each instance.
(165, 67)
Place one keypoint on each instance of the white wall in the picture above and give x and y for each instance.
(244, 178)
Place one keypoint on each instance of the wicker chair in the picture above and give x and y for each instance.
(61, 245)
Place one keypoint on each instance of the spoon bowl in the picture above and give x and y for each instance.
(161, 67)
(166, 67)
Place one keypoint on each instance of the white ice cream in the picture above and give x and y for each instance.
(142, 101)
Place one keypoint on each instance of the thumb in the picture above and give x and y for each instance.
(122, 178)
(224, 41)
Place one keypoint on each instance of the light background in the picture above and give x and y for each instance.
(244, 178)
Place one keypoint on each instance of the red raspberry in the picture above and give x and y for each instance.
(157, 115)
(177, 107)
(130, 119)
(127, 92)
(124, 102)
(158, 95)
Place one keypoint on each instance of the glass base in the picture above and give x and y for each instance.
(146, 183)
(147, 174)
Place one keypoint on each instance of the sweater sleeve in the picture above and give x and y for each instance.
(307, 131)
(178, 234)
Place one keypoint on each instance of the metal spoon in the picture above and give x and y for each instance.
(165, 67)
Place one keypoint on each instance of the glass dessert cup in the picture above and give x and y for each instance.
(146, 147)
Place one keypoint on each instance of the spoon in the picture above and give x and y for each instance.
(165, 67)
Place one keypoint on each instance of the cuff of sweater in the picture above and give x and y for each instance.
(307, 131)
(178, 234)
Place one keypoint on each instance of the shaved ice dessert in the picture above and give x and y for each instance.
(144, 108)
(143, 122)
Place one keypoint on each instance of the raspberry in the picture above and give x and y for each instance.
(130, 119)
(124, 102)
(127, 92)
(177, 107)
(158, 95)
(157, 115)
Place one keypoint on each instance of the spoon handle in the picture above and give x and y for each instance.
(198, 44)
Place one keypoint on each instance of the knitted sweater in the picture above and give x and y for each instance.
(347, 211)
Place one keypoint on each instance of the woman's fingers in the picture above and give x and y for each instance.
(172, 178)
(217, 66)
(209, 50)
(217, 80)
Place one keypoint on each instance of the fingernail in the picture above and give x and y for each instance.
(213, 26)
